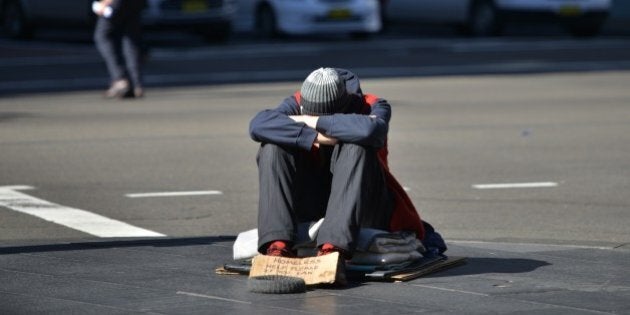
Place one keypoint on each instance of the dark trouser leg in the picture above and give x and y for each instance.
(277, 174)
(293, 188)
(108, 42)
(132, 45)
(359, 196)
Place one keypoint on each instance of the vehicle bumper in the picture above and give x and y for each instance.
(155, 17)
(562, 8)
(306, 17)
(546, 16)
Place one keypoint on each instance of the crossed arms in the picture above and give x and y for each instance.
(285, 125)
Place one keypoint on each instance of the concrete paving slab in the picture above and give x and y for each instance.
(25, 304)
(176, 276)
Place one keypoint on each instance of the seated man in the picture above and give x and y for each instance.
(323, 154)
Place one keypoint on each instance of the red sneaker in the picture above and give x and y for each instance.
(280, 249)
(340, 276)
(328, 248)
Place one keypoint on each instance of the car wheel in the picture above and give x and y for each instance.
(360, 35)
(266, 22)
(218, 33)
(385, 24)
(484, 19)
(586, 27)
(15, 23)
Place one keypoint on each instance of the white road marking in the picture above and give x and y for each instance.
(73, 218)
(515, 185)
(175, 194)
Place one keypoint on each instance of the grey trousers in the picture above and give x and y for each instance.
(118, 39)
(344, 184)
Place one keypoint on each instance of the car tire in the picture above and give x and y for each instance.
(276, 284)
(218, 33)
(385, 23)
(360, 35)
(266, 23)
(15, 23)
(484, 19)
(586, 27)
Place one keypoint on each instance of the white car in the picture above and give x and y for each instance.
(212, 18)
(301, 17)
(488, 17)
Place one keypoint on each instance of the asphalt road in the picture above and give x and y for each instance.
(447, 135)
(61, 62)
(523, 109)
(515, 148)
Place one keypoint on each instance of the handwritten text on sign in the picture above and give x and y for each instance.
(313, 270)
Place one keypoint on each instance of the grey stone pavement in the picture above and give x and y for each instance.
(176, 276)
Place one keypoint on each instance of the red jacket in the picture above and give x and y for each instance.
(404, 216)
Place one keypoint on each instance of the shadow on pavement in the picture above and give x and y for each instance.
(169, 242)
(477, 265)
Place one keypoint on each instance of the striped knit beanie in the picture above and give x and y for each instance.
(323, 93)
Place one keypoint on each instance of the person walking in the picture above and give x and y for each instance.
(118, 37)
(323, 154)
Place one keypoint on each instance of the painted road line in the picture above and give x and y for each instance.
(174, 194)
(73, 218)
(515, 185)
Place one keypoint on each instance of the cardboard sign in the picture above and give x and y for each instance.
(313, 270)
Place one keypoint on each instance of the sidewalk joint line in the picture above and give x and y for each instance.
(212, 297)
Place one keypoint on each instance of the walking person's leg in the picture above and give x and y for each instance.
(107, 38)
(132, 49)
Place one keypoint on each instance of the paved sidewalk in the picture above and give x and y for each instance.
(176, 276)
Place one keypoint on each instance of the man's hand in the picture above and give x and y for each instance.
(323, 139)
(99, 7)
(311, 121)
